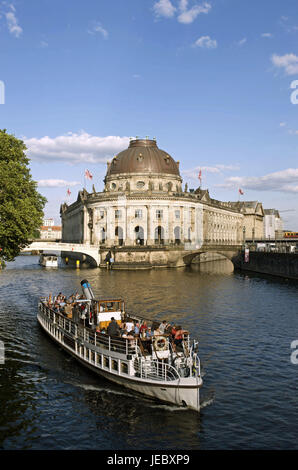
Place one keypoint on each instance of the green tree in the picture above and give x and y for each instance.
(21, 206)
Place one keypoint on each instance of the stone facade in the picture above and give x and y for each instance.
(272, 223)
(143, 204)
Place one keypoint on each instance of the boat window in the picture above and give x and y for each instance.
(114, 364)
(98, 359)
(124, 367)
(106, 361)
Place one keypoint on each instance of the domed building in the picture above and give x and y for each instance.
(143, 205)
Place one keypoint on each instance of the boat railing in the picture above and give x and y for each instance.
(156, 370)
(111, 343)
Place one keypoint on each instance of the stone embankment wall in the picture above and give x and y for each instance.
(275, 264)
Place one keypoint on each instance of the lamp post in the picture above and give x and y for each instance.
(244, 229)
(253, 235)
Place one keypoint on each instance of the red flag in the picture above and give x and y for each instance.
(200, 176)
(68, 192)
(240, 191)
(88, 175)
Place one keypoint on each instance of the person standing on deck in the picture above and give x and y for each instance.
(113, 328)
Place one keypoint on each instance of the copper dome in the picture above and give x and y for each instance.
(143, 156)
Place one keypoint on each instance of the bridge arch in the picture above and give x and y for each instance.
(84, 249)
(229, 254)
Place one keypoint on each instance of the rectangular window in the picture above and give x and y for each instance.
(177, 214)
(117, 214)
(138, 213)
(101, 214)
(106, 361)
(159, 214)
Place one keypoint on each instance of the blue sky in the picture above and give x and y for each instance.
(211, 80)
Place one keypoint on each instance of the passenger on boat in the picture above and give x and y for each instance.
(137, 328)
(129, 326)
(149, 333)
(143, 327)
(179, 336)
(157, 332)
(113, 328)
(162, 326)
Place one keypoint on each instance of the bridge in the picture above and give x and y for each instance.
(135, 257)
(84, 249)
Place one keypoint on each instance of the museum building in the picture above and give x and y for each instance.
(143, 203)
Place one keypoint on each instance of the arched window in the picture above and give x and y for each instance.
(139, 235)
(102, 235)
(159, 235)
(177, 235)
(119, 236)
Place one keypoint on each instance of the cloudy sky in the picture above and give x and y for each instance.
(216, 82)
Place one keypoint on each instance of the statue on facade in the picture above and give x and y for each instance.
(186, 188)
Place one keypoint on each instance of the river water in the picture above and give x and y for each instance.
(244, 323)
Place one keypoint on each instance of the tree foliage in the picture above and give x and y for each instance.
(21, 206)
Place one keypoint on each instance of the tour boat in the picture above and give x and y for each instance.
(154, 366)
(49, 261)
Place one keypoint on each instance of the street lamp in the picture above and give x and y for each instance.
(244, 229)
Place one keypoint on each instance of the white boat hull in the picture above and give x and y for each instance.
(48, 261)
(180, 392)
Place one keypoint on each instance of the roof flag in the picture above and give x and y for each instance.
(88, 175)
(200, 176)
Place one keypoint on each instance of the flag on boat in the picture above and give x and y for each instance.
(68, 192)
(88, 175)
(240, 191)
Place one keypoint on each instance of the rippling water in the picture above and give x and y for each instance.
(245, 326)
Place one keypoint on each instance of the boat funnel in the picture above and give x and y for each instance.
(86, 288)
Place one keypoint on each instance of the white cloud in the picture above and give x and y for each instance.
(75, 148)
(188, 16)
(206, 42)
(266, 35)
(289, 62)
(282, 124)
(217, 169)
(55, 183)
(167, 9)
(164, 8)
(12, 22)
(97, 28)
(284, 181)
(242, 41)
